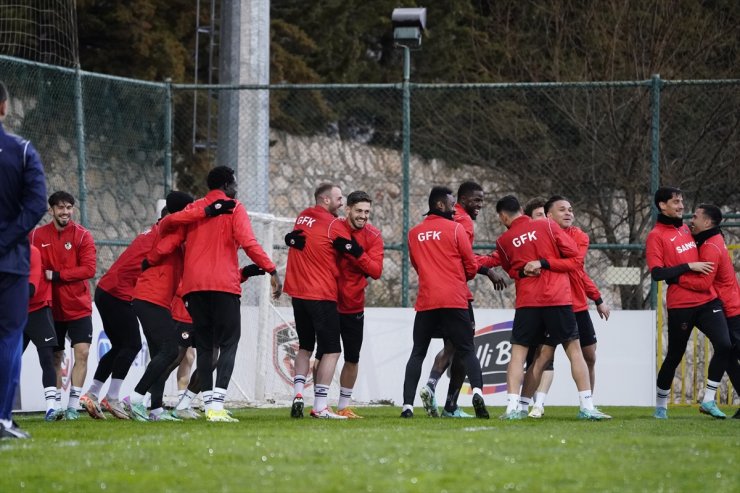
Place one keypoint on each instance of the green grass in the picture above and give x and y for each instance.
(267, 451)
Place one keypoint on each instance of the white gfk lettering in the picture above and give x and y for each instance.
(686, 247)
(305, 220)
(430, 235)
(522, 239)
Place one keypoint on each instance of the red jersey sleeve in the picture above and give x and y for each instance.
(170, 222)
(165, 244)
(371, 260)
(566, 245)
(702, 282)
(36, 271)
(244, 236)
(466, 252)
(592, 291)
(654, 251)
(85, 259)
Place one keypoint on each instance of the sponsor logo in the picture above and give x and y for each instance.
(685, 247)
(716, 311)
(44, 245)
(493, 350)
(305, 221)
(284, 352)
(674, 238)
(47, 339)
(520, 240)
(68, 246)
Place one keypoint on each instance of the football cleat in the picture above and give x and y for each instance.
(537, 412)
(136, 411)
(480, 407)
(326, 413)
(71, 414)
(660, 413)
(114, 407)
(12, 432)
(54, 415)
(512, 415)
(711, 409)
(603, 414)
(188, 413)
(457, 413)
(219, 416)
(348, 413)
(430, 401)
(296, 410)
(163, 416)
(91, 405)
(592, 415)
(408, 413)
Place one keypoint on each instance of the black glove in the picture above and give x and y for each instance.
(56, 276)
(295, 239)
(252, 270)
(144, 265)
(343, 245)
(219, 207)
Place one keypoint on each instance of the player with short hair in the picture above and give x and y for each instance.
(709, 238)
(22, 194)
(670, 251)
(311, 281)
(359, 258)
(68, 259)
(469, 204)
(441, 253)
(211, 282)
(535, 208)
(582, 288)
(543, 314)
(40, 330)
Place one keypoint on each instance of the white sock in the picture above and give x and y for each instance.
(95, 388)
(586, 400)
(539, 399)
(524, 403)
(207, 399)
(185, 400)
(136, 398)
(662, 398)
(50, 396)
(180, 393)
(58, 399)
(711, 391)
(407, 407)
(320, 397)
(74, 397)
(7, 423)
(217, 402)
(157, 412)
(478, 391)
(345, 394)
(298, 382)
(114, 390)
(512, 402)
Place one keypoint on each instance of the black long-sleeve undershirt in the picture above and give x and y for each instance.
(665, 273)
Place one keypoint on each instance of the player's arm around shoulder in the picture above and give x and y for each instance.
(86, 260)
(466, 252)
(371, 261)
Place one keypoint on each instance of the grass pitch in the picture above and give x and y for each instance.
(268, 451)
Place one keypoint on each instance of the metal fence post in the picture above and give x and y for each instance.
(406, 157)
(168, 136)
(654, 161)
(81, 159)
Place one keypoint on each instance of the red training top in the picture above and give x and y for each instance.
(528, 240)
(669, 246)
(353, 272)
(312, 273)
(71, 252)
(121, 277)
(42, 294)
(441, 254)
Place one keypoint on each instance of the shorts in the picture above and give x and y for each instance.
(350, 327)
(317, 321)
(586, 331)
(80, 331)
(40, 328)
(550, 325)
(451, 324)
(185, 334)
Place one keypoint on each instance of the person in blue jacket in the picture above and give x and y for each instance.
(22, 204)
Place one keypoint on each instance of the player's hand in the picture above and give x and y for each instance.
(277, 285)
(702, 267)
(144, 265)
(219, 207)
(252, 270)
(603, 310)
(343, 245)
(532, 268)
(296, 239)
(498, 281)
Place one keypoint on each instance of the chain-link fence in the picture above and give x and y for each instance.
(119, 144)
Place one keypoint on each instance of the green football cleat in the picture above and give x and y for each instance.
(430, 401)
(711, 409)
(457, 413)
(660, 413)
(512, 415)
(592, 415)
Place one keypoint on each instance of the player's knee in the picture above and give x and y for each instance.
(82, 353)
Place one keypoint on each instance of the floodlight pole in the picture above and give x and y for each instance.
(405, 164)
